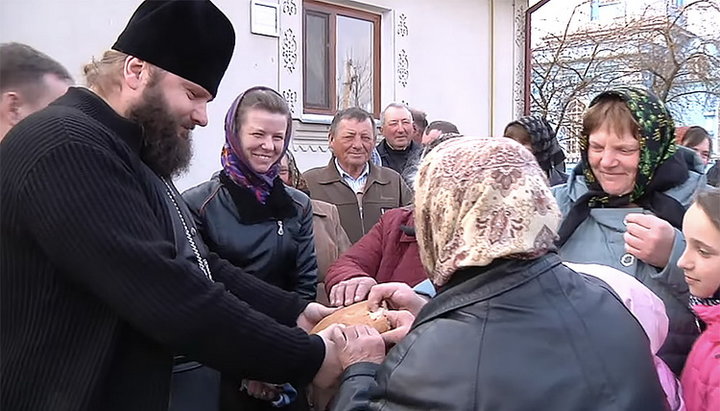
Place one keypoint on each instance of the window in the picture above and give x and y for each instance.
(341, 65)
(573, 127)
(594, 10)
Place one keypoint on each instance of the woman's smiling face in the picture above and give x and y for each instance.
(262, 138)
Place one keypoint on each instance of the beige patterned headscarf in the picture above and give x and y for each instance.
(478, 199)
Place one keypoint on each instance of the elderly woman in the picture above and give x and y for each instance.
(511, 327)
(624, 203)
(387, 253)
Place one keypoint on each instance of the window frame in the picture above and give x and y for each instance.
(333, 11)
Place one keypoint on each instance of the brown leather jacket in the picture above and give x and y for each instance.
(330, 241)
(384, 190)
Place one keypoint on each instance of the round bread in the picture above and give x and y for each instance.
(356, 314)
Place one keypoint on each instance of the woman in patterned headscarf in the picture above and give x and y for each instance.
(538, 136)
(624, 203)
(511, 327)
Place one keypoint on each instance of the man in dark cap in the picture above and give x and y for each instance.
(104, 276)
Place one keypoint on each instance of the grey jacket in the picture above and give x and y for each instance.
(279, 251)
(516, 335)
(599, 240)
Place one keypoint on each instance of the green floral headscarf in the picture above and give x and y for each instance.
(659, 168)
(657, 140)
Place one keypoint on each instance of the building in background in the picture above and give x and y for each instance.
(668, 46)
(450, 58)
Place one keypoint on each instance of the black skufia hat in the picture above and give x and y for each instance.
(189, 38)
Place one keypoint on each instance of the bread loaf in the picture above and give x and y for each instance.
(356, 314)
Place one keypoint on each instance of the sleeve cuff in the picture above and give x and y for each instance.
(425, 288)
(361, 369)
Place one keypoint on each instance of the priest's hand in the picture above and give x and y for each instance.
(330, 370)
(262, 390)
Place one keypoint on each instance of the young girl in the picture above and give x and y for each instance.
(701, 263)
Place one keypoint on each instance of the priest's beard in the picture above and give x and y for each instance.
(167, 146)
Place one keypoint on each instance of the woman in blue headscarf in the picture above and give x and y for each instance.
(248, 216)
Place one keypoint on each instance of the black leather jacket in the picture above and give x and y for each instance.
(516, 335)
(272, 241)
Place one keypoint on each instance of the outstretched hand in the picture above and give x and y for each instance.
(330, 370)
(351, 291)
(400, 323)
(398, 296)
(358, 343)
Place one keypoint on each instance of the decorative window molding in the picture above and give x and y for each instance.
(289, 7)
(403, 68)
(402, 52)
(304, 147)
(289, 57)
(291, 97)
(402, 28)
(289, 50)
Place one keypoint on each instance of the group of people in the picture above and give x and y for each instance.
(509, 281)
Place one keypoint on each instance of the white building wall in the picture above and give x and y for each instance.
(458, 66)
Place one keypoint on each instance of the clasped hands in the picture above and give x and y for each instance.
(347, 345)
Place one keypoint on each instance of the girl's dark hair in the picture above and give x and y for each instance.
(709, 201)
(694, 136)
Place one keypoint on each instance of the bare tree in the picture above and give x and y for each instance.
(683, 68)
(658, 51)
(356, 83)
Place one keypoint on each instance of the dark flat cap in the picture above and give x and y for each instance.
(190, 38)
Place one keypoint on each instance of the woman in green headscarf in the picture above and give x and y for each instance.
(624, 203)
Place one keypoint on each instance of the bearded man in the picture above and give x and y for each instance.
(104, 276)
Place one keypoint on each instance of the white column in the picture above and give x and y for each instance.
(506, 66)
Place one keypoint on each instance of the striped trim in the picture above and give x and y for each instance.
(704, 301)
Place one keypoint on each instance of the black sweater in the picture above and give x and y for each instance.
(94, 298)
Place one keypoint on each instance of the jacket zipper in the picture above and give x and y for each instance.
(280, 230)
(362, 221)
